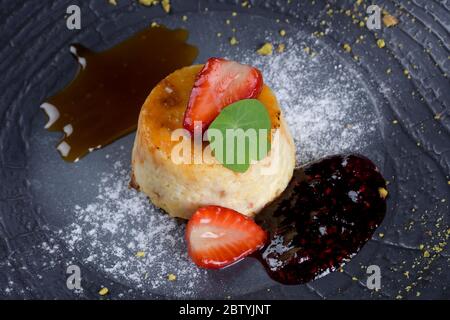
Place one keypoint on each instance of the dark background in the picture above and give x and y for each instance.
(414, 154)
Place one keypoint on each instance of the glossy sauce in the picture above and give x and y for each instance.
(103, 102)
(328, 212)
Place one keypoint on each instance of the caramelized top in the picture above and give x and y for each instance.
(163, 111)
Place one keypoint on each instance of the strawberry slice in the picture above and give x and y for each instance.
(219, 84)
(218, 237)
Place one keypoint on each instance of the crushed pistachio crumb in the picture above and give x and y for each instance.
(184, 18)
(234, 14)
(281, 48)
(383, 193)
(381, 43)
(395, 121)
(171, 277)
(219, 34)
(233, 41)
(149, 2)
(154, 24)
(426, 254)
(140, 254)
(347, 47)
(266, 49)
(282, 32)
(389, 71)
(166, 5)
(389, 21)
(112, 2)
(354, 278)
(103, 291)
(381, 235)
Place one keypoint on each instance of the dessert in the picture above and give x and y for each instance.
(180, 189)
(328, 211)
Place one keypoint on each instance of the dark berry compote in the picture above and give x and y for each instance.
(328, 212)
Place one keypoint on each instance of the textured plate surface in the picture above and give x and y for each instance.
(403, 91)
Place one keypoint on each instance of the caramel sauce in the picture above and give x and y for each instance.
(103, 102)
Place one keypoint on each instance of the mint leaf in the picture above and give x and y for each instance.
(240, 134)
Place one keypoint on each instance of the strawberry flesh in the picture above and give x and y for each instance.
(218, 237)
(219, 84)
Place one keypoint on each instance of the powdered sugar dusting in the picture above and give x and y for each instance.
(125, 236)
(325, 117)
(325, 107)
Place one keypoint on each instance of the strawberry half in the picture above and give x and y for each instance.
(218, 237)
(219, 84)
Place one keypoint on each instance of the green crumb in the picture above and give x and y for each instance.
(347, 47)
(171, 277)
(166, 5)
(381, 43)
(140, 254)
(266, 49)
(281, 48)
(103, 291)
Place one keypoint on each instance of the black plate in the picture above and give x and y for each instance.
(51, 215)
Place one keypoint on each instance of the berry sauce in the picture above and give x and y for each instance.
(330, 209)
